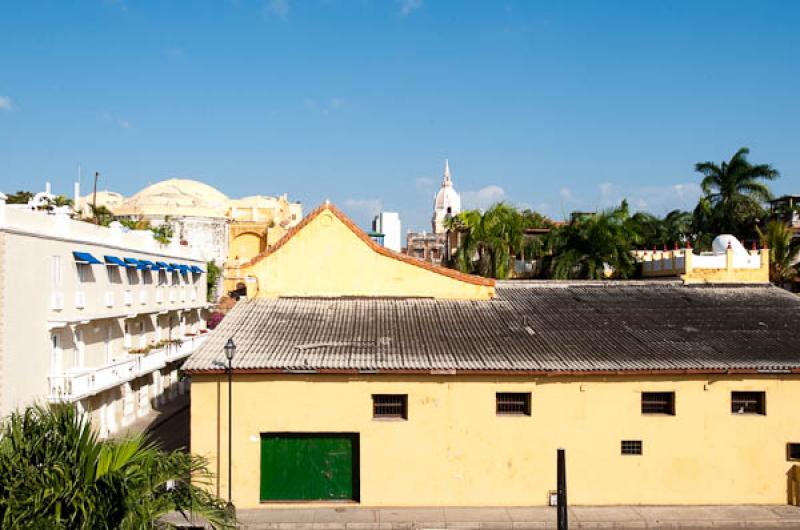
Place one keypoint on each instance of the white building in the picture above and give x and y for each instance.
(446, 203)
(388, 224)
(101, 317)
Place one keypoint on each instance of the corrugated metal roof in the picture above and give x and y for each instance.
(529, 327)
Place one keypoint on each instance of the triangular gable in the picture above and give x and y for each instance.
(326, 254)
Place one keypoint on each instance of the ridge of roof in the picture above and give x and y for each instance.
(456, 275)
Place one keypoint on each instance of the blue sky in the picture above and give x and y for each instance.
(551, 105)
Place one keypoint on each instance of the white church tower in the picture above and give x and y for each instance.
(447, 202)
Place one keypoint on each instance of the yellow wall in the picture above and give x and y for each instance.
(246, 246)
(326, 258)
(454, 450)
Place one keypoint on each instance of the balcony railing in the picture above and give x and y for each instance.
(76, 384)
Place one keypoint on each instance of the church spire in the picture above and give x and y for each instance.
(447, 181)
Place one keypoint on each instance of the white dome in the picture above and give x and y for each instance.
(176, 197)
(448, 197)
(721, 242)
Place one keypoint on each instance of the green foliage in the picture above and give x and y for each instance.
(490, 240)
(212, 275)
(777, 237)
(734, 192)
(21, 197)
(595, 247)
(161, 233)
(100, 215)
(55, 473)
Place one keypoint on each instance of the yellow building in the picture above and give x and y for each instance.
(368, 377)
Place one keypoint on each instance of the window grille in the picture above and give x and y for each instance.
(631, 447)
(658, 403)
(390, 406)
(513, 403)
(748, 403)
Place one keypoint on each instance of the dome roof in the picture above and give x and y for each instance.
(181, 197)
(448, 197)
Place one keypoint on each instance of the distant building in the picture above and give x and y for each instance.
(388, 224)
(228, 231)
(447, 202)
(728, 262)
(100, 317)
(434, 247)
(787, 209)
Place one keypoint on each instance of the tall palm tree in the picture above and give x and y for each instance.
(734, 191)
(777, 237)
(55, 473)
(591, 247)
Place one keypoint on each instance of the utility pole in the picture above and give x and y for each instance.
(561, 479)
(94, 197)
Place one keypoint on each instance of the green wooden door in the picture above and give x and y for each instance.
(309, 466)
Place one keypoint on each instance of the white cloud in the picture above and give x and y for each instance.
(323, 107)
(654, 199)
(277, 7)
(121, 122)
(409, 6)
(364, 207)
(5, 103)
(482, 198)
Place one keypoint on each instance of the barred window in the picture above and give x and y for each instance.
(631, 447)
(658, 403)
(394, 406)
(513, 403)
(748, 403)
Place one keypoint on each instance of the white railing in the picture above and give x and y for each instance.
(76, 384)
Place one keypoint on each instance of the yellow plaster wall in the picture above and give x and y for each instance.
(325, 258)
(246, 246)
(455, 451)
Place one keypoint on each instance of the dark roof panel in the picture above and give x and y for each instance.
(622, 326)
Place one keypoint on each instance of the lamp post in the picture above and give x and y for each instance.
(230, 350)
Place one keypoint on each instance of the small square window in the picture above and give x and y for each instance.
(390, 406)
(658, 403)
(513, 403)
(748, 403)
(631, 447)
(793, 451)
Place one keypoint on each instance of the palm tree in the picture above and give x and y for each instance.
(591, 247)
(488, 240)
(55, 473)
(734, 192)
(777, 237)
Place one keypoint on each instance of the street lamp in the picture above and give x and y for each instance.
(230, 350)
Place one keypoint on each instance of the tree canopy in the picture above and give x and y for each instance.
(56, 473)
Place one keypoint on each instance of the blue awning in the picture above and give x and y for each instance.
(197, 270)
(85, 258)
(161, 265)
(184, 269)
(144, 265)
(113, 260)
(174, 267)
(131, 262)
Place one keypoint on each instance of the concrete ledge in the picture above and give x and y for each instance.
(528, 518)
